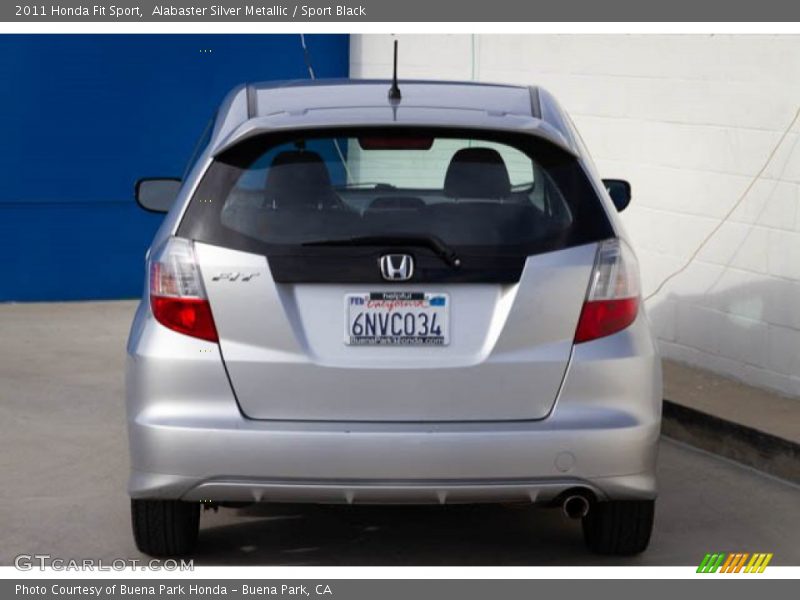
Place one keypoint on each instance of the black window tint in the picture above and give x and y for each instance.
(481, 193)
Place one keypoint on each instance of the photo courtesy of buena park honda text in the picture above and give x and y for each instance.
(403, 300)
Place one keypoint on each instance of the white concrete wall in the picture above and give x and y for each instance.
(689, 120)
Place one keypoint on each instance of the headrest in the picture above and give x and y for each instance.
(299, 177)
(477, 173)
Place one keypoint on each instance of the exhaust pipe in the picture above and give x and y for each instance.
(575, 507)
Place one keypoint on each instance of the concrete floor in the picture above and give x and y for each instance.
(63, 466)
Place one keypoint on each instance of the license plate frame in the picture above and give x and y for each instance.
(430, 315)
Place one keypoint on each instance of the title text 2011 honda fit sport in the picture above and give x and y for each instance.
(368, 297)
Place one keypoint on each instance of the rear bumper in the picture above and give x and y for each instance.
(357, 463)
(189, 440)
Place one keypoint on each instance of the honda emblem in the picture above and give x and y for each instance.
(397, 267)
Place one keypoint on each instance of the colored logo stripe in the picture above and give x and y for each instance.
(711, 562)
(731, 562)
(758, 563)
(740, 564)
(734, 562)
(726, 567)
(703, 563)
(766, 562)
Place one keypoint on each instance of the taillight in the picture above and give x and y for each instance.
(177, 297)
(612, 302)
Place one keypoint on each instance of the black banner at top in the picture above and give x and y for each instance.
(403, 10)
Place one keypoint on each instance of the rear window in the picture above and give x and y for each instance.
(482, 193)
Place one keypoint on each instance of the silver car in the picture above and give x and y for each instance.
(416, 295)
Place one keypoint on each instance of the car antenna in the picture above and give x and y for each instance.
(394, 91)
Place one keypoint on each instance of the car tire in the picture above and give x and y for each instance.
(620, 527)
(165, 527)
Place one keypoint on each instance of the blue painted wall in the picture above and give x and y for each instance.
(83, 116)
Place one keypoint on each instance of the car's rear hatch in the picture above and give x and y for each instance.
(313, 323)
(509, 345)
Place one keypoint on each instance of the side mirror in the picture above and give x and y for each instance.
(620, 192)
(157, 195)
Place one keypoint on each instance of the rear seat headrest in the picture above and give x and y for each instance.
(477, 173)
(298, 177)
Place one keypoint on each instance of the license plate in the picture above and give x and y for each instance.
(397, 319)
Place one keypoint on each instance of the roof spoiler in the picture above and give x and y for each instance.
(266, 125)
